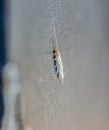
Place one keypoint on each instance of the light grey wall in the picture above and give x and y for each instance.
(82, 26)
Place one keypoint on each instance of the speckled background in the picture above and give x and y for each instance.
(82, 27)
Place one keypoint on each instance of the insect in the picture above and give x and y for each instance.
(58, 65)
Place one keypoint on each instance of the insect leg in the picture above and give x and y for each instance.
(55, 66)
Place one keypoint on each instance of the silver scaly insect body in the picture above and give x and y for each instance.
(58, 65)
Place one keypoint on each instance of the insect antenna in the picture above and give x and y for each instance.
(56, 44)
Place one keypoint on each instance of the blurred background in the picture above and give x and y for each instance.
(82, 28)
(2, 55)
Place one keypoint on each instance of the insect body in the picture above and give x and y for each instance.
(58, 65)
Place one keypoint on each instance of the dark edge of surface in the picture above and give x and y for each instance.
(2, 56)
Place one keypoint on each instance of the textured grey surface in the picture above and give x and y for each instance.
(82, 27)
